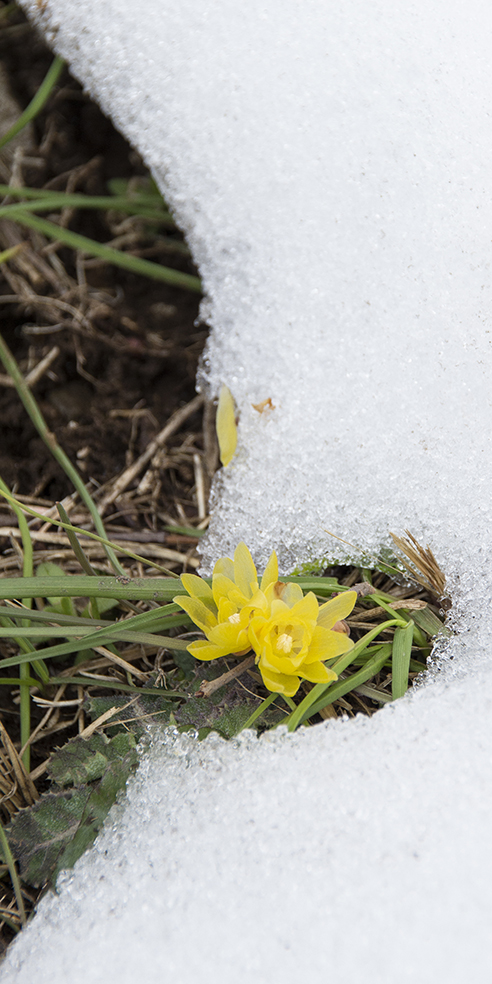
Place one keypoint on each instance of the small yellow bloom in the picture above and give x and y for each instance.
(223, 612)
(290, 633)
(298, 636)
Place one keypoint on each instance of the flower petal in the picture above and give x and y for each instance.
(198, 612)
(229, 637)
(306, 610)
(226, 426)
(271, 572)
(317, 673)
(279, 683)
(245, 574)
(336, 609)
(222, 587)
(225, 566)
(291, 593)
(202, 649)
(326, 644)
(198, 588)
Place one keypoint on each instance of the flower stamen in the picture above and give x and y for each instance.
(285, 643)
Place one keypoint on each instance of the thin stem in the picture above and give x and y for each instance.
(208, 687)
(265, 704)
(86, 533)
(7, 853)
(24, 669)
(52, 444)
(40, 200)
(37, 102)
(137, 264)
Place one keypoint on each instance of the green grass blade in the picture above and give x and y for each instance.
(25, 697)
(8, 254)
(9, 861)
(162, 614)
(74, 543)
(89, 681)
(160, 589)
(40, 200)
(103, 638)
(430, 623)
(27, 681)
(402, 649)
(75, 632)
(109, 546)
(265, 704)
(49, 439)
(136, 264)
(37, 102)
(341, 687)
(320, 585)
(341, 664)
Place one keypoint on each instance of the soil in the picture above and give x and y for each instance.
(136, 342)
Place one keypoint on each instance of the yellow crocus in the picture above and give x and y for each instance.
(297, 637)
(290, 633)
(223, 612)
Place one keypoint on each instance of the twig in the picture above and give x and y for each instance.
(208, 687)
(199, 486)
(130, 473)
(119, 661)
(39, 370)
(91, 728)
(23, 779)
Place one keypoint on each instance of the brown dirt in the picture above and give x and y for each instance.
(139, 345)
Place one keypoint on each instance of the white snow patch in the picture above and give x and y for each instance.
(351, 851)
(331, 165)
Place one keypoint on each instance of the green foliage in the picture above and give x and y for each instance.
(87, 777)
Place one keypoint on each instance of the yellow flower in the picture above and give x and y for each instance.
(223, 612)
(298, 636)
(291, 634)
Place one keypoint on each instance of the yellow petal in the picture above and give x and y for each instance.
(226, 426)
(201, 649)
(291, 594)
(225, 566)
(245, 574)
(282, 664)
(271, 572)
(317, 673)
(229, 637)
(222, 587)
(307, 609)
(198, 612)
(336, 609)
(326, 644)
(198, 588)
(279, 683)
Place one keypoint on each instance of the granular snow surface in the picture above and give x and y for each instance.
(331, 164)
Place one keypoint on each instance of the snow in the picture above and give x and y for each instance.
(326, 856)
(331, 165)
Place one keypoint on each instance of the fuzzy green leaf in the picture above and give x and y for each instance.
(53, 833)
